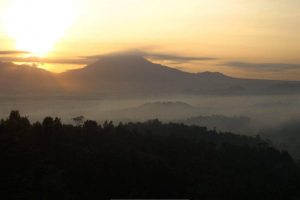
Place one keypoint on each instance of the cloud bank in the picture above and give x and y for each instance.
(274, 67)
(82, 60)
(12, 52)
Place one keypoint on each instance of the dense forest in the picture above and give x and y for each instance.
(51, 160)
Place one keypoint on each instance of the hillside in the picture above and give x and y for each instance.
(50, 160)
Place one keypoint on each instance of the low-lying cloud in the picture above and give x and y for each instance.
(158, 56)
(177, 58)
(274, 67)
(12, 52)
(75, 60)
(82, 60)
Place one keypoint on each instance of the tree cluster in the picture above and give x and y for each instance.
(51, 160)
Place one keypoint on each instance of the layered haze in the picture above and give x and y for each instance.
(128, 87)
(172, 99)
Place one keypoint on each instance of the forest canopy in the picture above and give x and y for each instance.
(52, 160)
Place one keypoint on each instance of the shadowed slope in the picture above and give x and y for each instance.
(133, 75)
(27, 80)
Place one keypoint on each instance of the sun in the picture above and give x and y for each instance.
(37, 25)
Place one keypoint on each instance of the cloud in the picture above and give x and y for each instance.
(177, 58)
(275, 67)
(157, 56)
(83, 60)
(12, 52)
(75, 60)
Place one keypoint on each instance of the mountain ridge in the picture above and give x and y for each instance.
(132, 76)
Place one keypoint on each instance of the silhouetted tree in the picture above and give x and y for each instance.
(90, 126)
(57, 123)
(15, 122)
(14, 116)
(48, 123)
(78, 120)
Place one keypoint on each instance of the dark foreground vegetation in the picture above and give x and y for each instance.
(50, 160)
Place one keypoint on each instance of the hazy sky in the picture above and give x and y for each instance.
(248, 38)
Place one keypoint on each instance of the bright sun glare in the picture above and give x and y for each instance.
(36, 25)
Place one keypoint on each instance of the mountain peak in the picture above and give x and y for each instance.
(212, 74)
(121, 60)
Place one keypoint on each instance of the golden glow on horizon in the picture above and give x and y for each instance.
(231, 30)
(36, 25)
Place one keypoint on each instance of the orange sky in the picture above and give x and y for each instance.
(255, 32)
